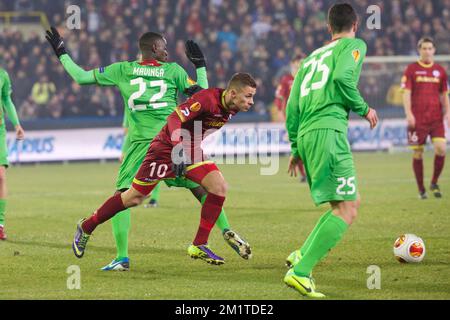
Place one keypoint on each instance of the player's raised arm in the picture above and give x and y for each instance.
(184, 83)
(77, 73)
(10, 108)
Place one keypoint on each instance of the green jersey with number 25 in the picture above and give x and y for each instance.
(149, 92)
(325, 89)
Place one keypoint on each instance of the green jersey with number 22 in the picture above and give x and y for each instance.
(149, 91)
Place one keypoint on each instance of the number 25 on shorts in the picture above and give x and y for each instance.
(343, 183)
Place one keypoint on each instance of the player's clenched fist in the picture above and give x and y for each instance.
(372, 117)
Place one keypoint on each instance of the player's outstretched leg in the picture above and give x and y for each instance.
(109, 209)
(80, 240)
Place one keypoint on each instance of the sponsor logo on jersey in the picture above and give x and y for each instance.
(427, 79)
(421, 72)
(195, 107)
(356, 54)
(217, 124)
(101, 70)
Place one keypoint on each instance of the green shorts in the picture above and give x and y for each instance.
(133, 159)
(3, 150)
(329, 165)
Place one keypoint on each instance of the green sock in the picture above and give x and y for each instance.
(121, 226)
(2, 211)
(155, 193)
(222, 221)
(313, 233)
(328, 235)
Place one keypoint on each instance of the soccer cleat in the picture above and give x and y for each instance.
(436, 191)
(293, 258)
(303, 179)
(237, 243)
(423, 195)
(304, 285)
(203, 252)
(122, 264)
(80, 240)
(2, 233)
(151, 204)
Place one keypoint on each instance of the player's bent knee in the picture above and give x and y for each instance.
(219, 189)
(132, 198)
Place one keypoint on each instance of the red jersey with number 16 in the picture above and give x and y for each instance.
(426, 83)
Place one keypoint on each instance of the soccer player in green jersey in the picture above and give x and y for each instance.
(154, 196)
(324, 92)
(149, 89)
(8, 106)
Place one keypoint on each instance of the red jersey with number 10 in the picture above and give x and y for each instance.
(426, 83)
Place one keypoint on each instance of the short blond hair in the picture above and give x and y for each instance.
(240, 80)
(424, 40)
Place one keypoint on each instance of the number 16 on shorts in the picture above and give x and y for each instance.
(346, 186)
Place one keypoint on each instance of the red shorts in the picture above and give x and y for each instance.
(157, 166)
(417, 137)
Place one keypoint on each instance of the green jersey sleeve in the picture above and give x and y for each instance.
(346, 75)
(108, 76)
(293, 113)
(183, 81)
(77, 73)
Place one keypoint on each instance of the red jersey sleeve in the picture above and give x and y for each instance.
(407, 79)
(444, 82)
(194, 106)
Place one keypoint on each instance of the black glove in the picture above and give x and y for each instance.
(194, 54)
(179, 162)
(192, 90)
(56, 42)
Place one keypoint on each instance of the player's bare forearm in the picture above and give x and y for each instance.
(445, 103)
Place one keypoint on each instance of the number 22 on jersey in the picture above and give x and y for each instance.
(153, 103)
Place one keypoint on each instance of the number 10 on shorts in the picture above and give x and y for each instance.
(347, 184)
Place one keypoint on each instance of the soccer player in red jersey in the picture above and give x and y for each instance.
(176, 151)
(426, 104)
(282, 95)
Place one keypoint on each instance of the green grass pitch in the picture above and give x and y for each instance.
(275, 214)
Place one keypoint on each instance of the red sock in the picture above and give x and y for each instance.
(438, 166)
(418, 171)
(301, 168)
(108, 210)
(210, 212)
